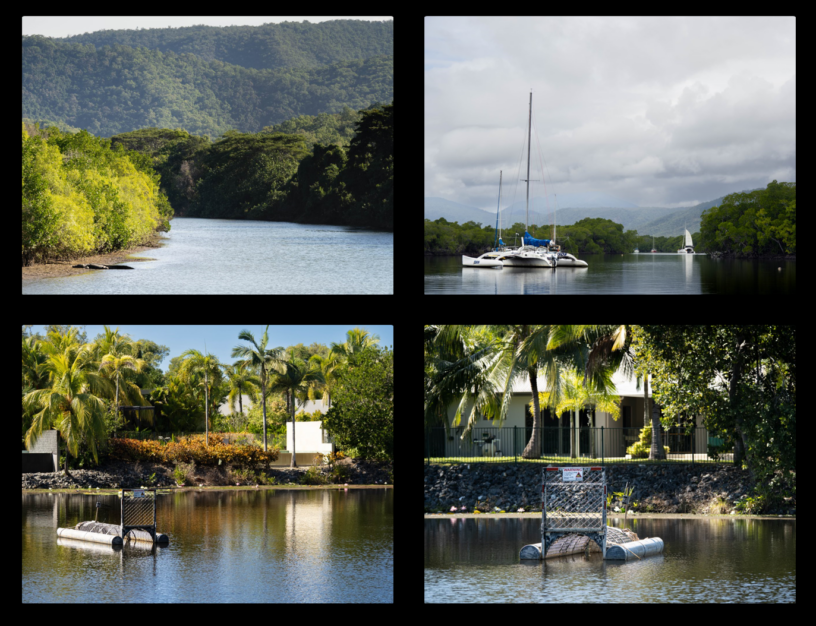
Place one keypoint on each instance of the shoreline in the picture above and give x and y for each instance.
(59, 269)
(608, 516)
(165, 490)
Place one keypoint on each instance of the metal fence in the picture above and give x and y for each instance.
(487, 444)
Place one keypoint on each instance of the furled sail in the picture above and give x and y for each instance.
(530, 241)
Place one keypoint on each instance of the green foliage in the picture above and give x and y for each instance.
(79, 196)
(587, 236)
(209, 81)
(362, 411)
(270, 46)
(758, 222)
(270, 175)
(753, 402)
(640, 449)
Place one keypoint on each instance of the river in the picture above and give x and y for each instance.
(286, 546)
(704, 560)
(647, 274)
(206, 256)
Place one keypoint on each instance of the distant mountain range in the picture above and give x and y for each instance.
(658, 221)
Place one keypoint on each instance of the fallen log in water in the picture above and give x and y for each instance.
(104, 267)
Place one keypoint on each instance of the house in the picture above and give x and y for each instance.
(598, 434)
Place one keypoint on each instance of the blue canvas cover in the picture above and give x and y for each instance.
(530, 241)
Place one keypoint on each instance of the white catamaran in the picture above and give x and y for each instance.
(538, 252)
(533, 252)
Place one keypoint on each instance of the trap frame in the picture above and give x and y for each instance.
(573, 501)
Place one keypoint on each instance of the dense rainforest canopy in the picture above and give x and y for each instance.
(273, 176)
(761, 222)
(83, 194)
(207, 80)
(587, 236)
(267, 47)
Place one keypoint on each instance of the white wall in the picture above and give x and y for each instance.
(309, 438)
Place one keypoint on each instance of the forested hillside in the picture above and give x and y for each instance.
(119, 88)
(271, 46)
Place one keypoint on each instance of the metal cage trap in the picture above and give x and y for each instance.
(573, 501)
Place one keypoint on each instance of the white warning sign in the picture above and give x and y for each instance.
(573, 474)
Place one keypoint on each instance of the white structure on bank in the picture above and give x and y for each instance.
(310, 438)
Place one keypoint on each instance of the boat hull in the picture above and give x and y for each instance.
(480, 262)
(526, 259)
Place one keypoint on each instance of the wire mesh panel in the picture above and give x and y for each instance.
(573, 499)
(138, 509)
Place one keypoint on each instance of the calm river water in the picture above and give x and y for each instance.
(203, 256)
(628, 274)
(225, 546)
(704, 560)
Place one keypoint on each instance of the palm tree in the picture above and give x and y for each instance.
(357, 341)
(609, 349)
(329, 366)
(577, 396)
(491, 358)
(241, 381)
(71, 404)
(258, 358)
(508, 354)
(295, 378)
(195, 362)
(115, 367)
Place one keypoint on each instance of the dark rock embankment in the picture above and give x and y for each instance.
(118, 475)
(657, 488)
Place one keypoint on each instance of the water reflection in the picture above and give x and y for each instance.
(704, 560)
(228, 546)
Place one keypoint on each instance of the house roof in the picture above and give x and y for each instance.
(625, 386)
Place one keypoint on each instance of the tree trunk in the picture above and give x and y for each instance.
(741, 445)
(656, 452)
(292, 411)
(533, 449)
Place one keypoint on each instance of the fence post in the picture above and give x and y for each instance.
(603, 460)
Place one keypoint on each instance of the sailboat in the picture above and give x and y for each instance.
(489, 259)
(653, 248)
(688, 248)
(527, 255)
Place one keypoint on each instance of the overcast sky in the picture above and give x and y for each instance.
(66, 26)
(656, 111)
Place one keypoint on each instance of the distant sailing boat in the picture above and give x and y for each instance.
(689, 247)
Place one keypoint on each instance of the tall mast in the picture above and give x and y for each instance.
(498, 212)
(529, 127)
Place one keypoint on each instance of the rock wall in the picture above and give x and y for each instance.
(117, 475)
(657, 488)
